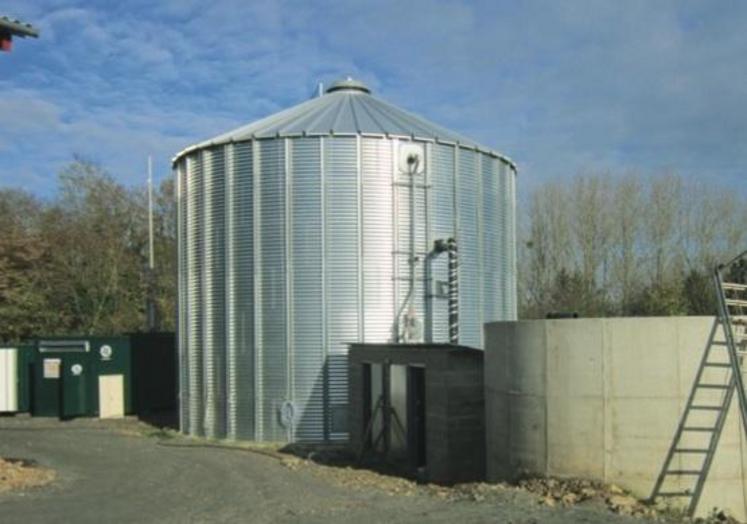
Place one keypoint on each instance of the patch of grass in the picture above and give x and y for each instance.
(19, 474)
(160, 433)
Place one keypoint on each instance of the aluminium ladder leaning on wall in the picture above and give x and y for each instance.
(695, 441)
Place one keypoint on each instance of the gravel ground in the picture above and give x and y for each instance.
(122, 471)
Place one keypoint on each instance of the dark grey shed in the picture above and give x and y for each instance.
(420, 406)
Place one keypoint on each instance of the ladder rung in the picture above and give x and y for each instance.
(708, 408)
(733, 286)
(734, 321)
(723, 343)
(712, 386)
(690, 450)
(736, 303)
(699, 428)
(717, 365)
(675, 494)
(684, 472)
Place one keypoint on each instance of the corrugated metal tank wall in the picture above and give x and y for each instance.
(291, 248)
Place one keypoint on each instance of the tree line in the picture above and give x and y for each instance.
(77, 263)
(626, 245)
(602, 244)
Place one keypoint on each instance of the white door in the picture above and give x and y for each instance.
(8, 380)
(111, 396)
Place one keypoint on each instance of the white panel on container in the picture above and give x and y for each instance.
(8, 380)
(377, 232)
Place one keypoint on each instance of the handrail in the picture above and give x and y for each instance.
(731, 262)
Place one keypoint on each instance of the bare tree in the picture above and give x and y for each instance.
(627, 245)
(661, 216)
(627, 207)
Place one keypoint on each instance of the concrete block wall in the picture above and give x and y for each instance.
(601, 398)
(455, 406)
(462, 379)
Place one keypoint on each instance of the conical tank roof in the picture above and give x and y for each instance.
(346, 108)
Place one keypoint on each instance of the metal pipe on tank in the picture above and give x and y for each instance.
(452, 249)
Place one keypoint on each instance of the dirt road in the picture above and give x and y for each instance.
(106, 472)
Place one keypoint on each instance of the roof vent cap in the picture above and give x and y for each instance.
(348, 84)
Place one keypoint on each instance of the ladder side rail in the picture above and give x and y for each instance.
(685, 413)
(734, 260)
(736, 382)
(731, 346)
(712, 445)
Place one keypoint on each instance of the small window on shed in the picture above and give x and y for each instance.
(64, 346)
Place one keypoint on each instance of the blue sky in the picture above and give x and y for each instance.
(560, 87)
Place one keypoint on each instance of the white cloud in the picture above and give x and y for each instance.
(557, 86)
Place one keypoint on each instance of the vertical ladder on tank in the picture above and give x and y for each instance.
(412, 166)
(691, 453)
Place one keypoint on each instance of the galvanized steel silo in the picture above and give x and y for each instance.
(294, 240)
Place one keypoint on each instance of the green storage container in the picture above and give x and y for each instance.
(59, 376)
(25, 377)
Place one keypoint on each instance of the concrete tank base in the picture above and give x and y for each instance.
(601, 399)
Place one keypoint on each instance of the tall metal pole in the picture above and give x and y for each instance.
(151, 303)
(151, 257)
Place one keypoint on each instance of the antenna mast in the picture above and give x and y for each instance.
(151, 305)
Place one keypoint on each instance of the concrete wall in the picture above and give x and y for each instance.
(601, 398)
(455, 419)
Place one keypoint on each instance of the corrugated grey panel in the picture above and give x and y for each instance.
(378, 287)
(230, 305)
(194, 285)
(181, 222)
(240, 330)
(344, 113)
(505, 275)
(511, 243)
(342, 235)
(442, 227)
(307, 250)
(470, 325)
(491, 240)
(214, 293)
(480, 248)
(273, 356)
